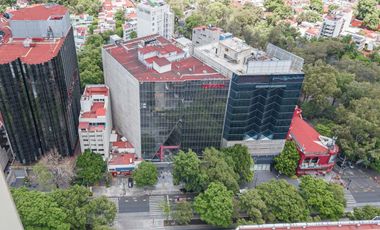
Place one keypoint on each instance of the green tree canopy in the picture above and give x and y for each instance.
(287, 161)
(308, 16)
(38, 210)
(365, 7)
(101, 212)
(316, 5)
(215, 205)
(73, 202)
(90, 168)
(365, 213)
(283, 201)
(186, 169)
(251, 203)
(218, 170)
(183, 213)
(43, 176)
(320, 200)
(146, 174)
(372, 19)
(241, 161)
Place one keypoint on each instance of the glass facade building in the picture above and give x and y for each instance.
(261, 106)
(187, 114)
(40, 103)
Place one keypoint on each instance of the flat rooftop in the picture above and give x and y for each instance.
(272, 54)
(39, 12)
(187, 69)
(39, 50)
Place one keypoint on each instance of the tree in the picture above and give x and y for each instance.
(252, 204)
(244, 18)
(218, 170)
(365, 7)
(365, 213)
(192, 21)
(43, 176)
(287, 162)
(316, 5)
(146, 174)
(90, 168)
(101, 212)
(133, 35)
(320, 200)
(283, 201)
(166, 208)
(73, 202)
(217, 14)
(62, 169)
(308, 16)
(215, 205)
(183, 213)
(372, 19)
(320, 83)
(241, 161)
(333, 7)
(38, 210)
(186, 169)
(324, 130)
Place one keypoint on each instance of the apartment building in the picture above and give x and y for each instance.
(155, 17)
(95, 120)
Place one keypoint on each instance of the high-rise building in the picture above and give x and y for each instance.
(162, 100)
(6, 154)
(264, 90)
(155, 17)
(95, 120)
(39, 81)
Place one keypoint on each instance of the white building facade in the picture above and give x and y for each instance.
(155, 17)
(332, 25)
(95, 120)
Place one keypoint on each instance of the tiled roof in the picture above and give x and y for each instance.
(183, 70)
(122, 159)
(38, 12)
(96, 90)
(305, 135)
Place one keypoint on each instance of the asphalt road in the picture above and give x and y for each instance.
(133, 204)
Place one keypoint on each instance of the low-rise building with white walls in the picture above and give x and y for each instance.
(95, 120)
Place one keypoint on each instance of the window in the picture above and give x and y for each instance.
(332, 159)
(306, 160)
(314, 160)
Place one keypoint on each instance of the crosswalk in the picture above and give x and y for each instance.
(349, 198)
(155, 211)
(155, 203)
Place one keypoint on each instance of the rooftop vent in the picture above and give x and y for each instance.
(27, 42)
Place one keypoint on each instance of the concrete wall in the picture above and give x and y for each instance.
(260, 147)
(125, 100)
(38, 28)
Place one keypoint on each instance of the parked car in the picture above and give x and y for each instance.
(130, 182)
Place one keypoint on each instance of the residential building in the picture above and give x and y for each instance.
(203, 35)
(338, 225)
(332, 25)
(39, 82)
(317, 153)
(80, 24)
(6, 155)
(264, 90)
(155, 17)
(109, 8)
(128, 28)
(161, 100)
(95, 120)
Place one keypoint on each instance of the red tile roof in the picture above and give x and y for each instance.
(305, 135)
(97, 110)
(122, 159)
(161, 61)
(96, 90)
(356, 23)
(122, 144)
(183, 70)
(38, 12)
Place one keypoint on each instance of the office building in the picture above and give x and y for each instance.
(95, 120)
(155, 17)
(264, 89)
(317, 153)
(161, 100)
(39, 81)
(6, 154)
